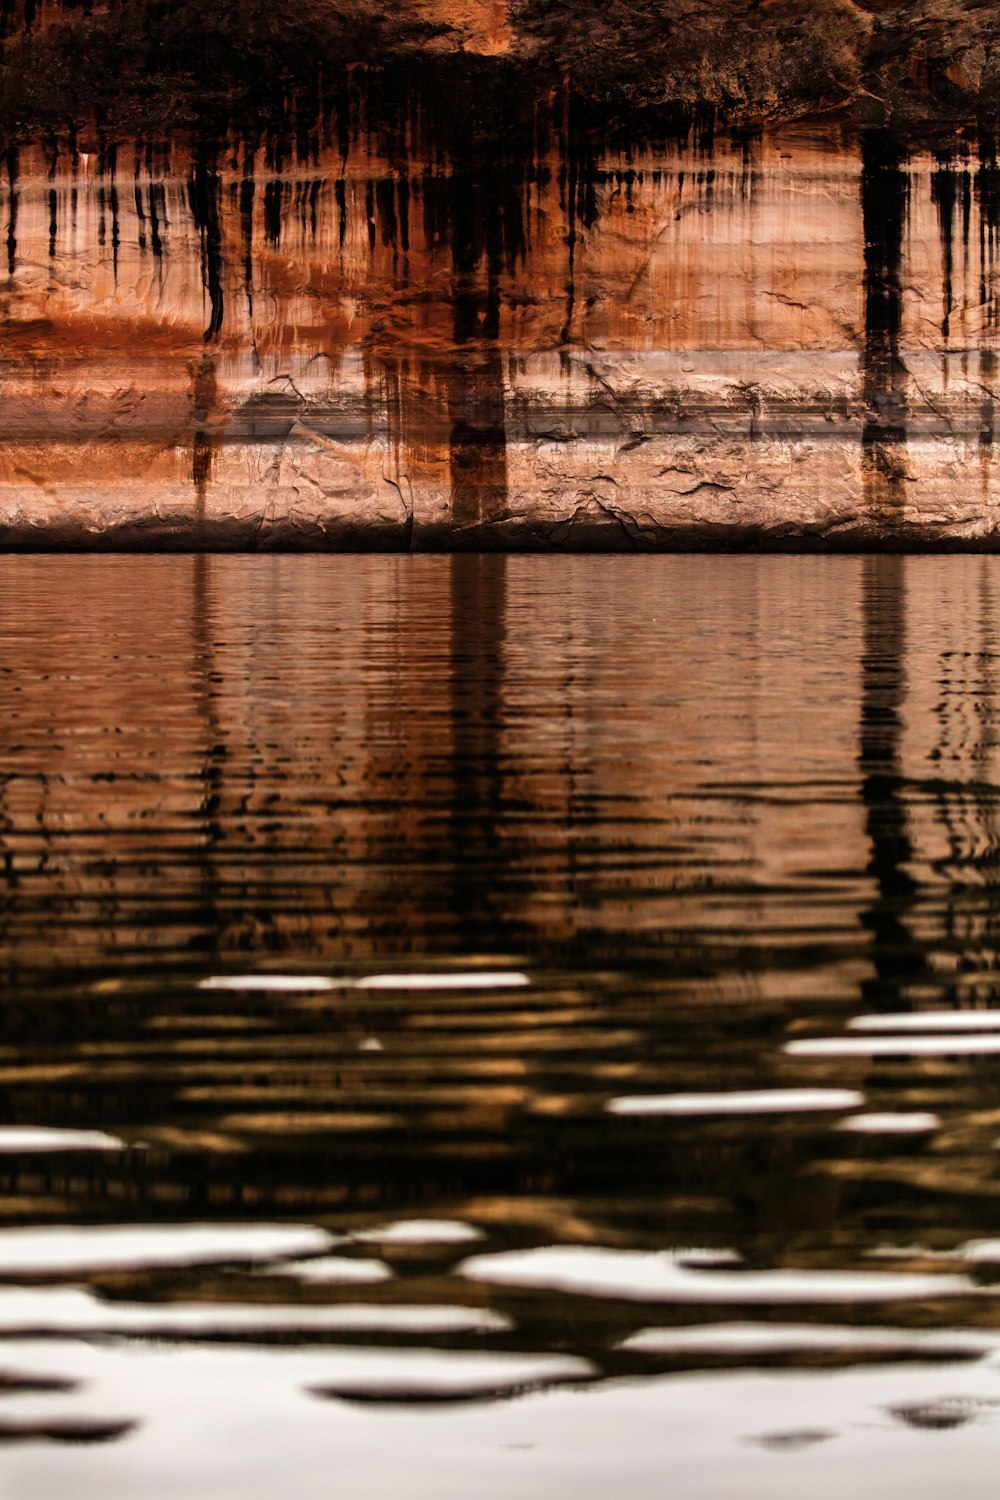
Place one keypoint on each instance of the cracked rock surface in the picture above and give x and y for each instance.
(787, 342)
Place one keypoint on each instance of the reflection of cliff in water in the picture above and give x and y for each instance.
(364, 765)
(896, 959)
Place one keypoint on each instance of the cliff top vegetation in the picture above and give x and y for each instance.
(152, 65)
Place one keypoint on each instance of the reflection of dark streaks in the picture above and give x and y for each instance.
(987, 693)
(949, 801)
(212, 769)
(478, 592)
(966, 803)
(12, 172)
(987, 859)
(893, 951)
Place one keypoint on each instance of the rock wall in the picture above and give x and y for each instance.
(785, 342)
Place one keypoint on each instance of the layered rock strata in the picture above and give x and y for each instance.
(787, 342)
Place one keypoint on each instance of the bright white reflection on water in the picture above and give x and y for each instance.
(738, 1102)
(503, 1026)
(891, 1124)
(925, 1020)
(663, 1278)
(108, 1247)
(55, 1310)
(332, 1268)
(281, 984)
(236, 1403)
(893, 1046)
(27, 1138)
(421, 1232)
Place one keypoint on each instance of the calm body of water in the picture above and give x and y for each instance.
(499, 1026)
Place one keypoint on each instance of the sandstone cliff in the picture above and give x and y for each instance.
(505, 282)
(786, 342)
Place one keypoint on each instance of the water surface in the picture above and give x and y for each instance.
(502, 1024)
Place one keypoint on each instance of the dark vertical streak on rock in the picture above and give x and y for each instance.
(340, 194)
(478, 438)
(385, 210)
(987, 419)
(157, 213)
(988, 199)
(370, 213)
(943, 195)
(112, 170)
(273, 209)
(204, 402)
(140, 207)
(567, 194)
(203, 197)
(156, 202)
(403, 200)
(893, 951)
(986, 688)
(966, 184)
(53, 201)
(247, 191)
(884, 201)
(12, 190)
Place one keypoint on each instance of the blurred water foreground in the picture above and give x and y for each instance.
(521, 1017)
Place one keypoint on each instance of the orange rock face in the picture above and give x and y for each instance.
(789, 342)
(481, 26)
